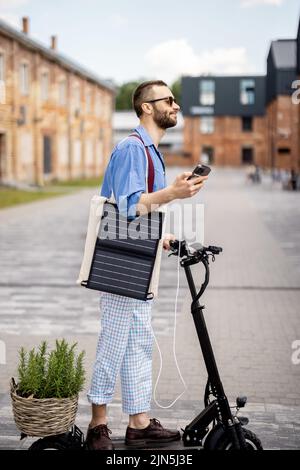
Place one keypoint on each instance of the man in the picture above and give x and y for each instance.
(125, 341)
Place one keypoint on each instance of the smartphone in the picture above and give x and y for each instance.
(200, 170)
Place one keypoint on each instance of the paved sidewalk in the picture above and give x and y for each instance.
(252, 304)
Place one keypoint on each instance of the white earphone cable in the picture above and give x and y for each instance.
(174, 347)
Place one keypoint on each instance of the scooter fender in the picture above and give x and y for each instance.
(214, 436)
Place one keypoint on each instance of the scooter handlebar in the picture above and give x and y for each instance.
(215, 250)
(185, 249)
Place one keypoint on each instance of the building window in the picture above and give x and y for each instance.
(247, 155)
(207, 125)
(107, 107)
(284, 150)
(98, 105)
(207, 92)
(62, 93)
(2, 80)
(247, 91)
(24, 79)
(76, 98)
(47, 154)
(247, 123)
(207, 155)
(2, 70)
(88, 101)
(45, 86)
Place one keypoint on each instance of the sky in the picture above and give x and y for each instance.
(159, 39)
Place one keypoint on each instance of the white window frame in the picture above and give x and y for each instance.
(2, 66)
(244, 96)
(76, 97)
(98, 103)
(2, 78)
(108, 107)
(62, 92)
(45, 84)
(207, 124)
(88, 100)
(24, 78)
(207, 98)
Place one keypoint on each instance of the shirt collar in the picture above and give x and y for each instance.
(148, 142)
(144, 135)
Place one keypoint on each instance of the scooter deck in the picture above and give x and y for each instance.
(119, 444)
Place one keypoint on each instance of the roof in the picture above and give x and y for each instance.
(284, 53)
(53, 55)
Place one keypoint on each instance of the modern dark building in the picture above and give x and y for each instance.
(248, 119)
(281, 68)
(282, 114)
(224, 119)
(223, 96)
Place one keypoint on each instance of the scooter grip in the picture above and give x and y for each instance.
(215, 249)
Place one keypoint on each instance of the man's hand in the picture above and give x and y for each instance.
(182, 188)
(166, 241)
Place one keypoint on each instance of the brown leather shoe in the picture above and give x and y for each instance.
(98, 438)
(152, 434)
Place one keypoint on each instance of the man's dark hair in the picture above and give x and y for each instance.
(141, 94)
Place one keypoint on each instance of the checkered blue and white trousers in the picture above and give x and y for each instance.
(125, 345)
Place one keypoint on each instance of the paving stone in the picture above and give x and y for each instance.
(252, 304)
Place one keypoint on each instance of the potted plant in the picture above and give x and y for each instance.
(45, 398)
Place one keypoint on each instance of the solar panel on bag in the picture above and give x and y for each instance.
(125, 253)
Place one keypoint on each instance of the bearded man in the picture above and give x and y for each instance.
(126, 337)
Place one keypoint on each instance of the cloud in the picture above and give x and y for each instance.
(252, 3)
(174, 58)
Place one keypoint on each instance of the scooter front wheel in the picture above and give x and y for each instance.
(220, 440)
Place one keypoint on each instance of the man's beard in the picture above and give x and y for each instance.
(164, 120)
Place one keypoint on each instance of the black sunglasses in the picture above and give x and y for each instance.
(169, 99)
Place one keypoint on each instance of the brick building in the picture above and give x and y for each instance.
(298, 74)
(55, 116)
(224, 119)
(281, 113)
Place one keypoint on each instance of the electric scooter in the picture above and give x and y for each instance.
(216, 427)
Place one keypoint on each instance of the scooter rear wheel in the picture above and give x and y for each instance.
(60, 442)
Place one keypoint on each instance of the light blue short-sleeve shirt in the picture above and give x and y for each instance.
(125, 175)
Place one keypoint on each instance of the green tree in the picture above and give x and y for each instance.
(176, 90)
(125, 91)
(124, 95)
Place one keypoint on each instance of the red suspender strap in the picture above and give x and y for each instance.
(150, 164)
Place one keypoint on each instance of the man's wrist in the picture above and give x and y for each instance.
(170, 193)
